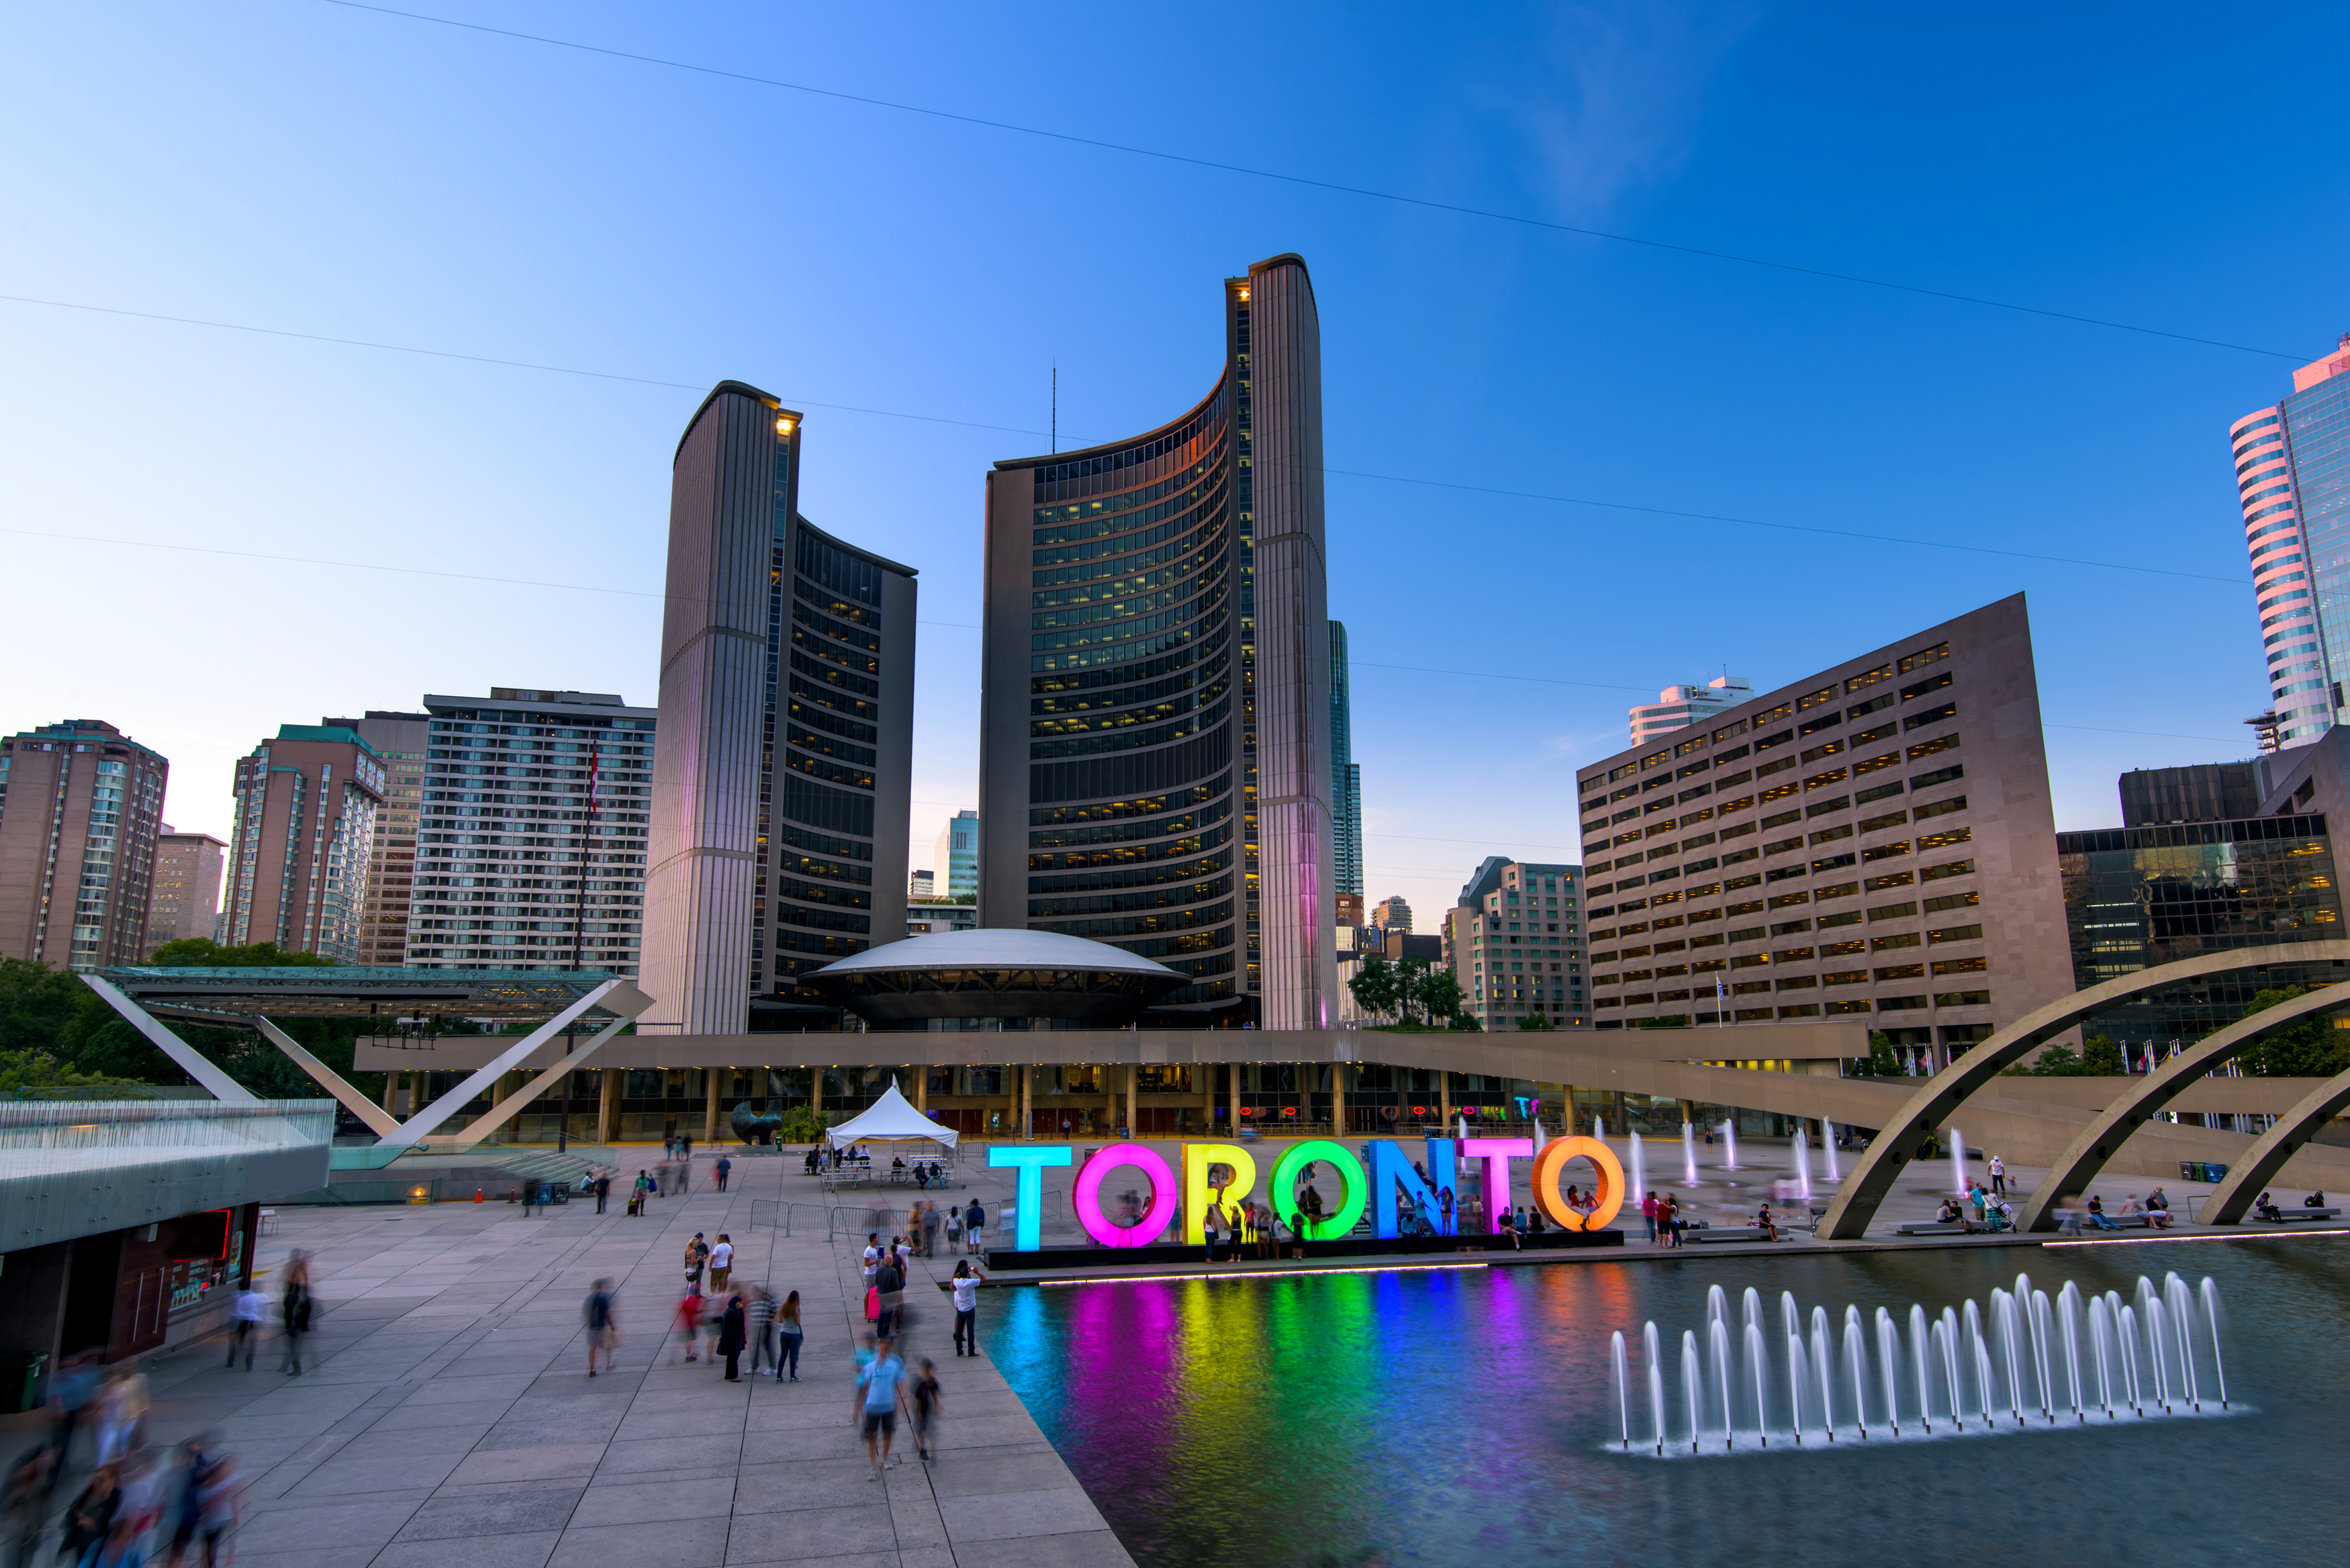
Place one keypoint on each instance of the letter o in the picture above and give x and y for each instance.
(1610, 1186)
(1351, 1176)
(1087, 1199)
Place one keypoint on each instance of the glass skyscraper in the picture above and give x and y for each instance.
(1156, 767)
(2293, 474)
(1345, 775)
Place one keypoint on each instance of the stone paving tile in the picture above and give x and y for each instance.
(998, 1516)
(814, 1535)
(546, 1461)
(509, 1508)
(672, 1543)
(519, 1550)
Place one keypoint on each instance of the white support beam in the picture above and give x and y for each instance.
(191, 1061)
(629, 1004)
(325, 1077)
(506, 1109)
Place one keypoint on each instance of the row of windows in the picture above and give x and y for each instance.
(1130, 740)
(1146, 925)
(1144, 875)
(1776, 819)
(1200, 532)
(1122, 903)
(1118, 810)
(1801, 1009)
(1082, 859)
(1076, 656)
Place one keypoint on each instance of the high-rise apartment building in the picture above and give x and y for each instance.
(922, 886)
(1392, 915)
(306, 806)
(780, 787)
(1515, 943)
(1345, 777)
(2292, 464)
(81, 804)
(1156, 759)
(1876, 840)
(1679, 707)
(531, 833)
(184, 895)
(400, 740)
(956, 856)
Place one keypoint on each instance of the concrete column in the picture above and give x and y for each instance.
(1234, 1069)
(1110, 1100)
(1337, 1099)
(815, 1092)
(1444, 1100)
(921, 1087)
(607, 1107)
(1207, 1083)
(1027, 1111)
(391, 1093)
(1133, 1114)
(710, 1105)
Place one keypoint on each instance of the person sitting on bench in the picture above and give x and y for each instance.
(2268, 1211)
(1762, 1223)
(2315, 1201)
(1955, 1213)
(2098, 1214)
(2157, 1209)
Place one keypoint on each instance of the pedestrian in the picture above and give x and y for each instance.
(1649, 1213)
(759, 1312)
(877, 1395)
(975, 1224)
(295, 1312)
(1444, 1210)
(603, 1190)
(965, 1285)
(602, 1322)
(688, 1320)
(724, 1165)
(930, 1227)
(1998, 1177)
(697, 1256)
(210, 1503)
(1211, 1226)
(252, 1310)
(914, 1225)
(732, 1332)
(954, 1227)
(787, 1323)
(889, 1282)
(91, 1519)
(24, 1513)
(926, 1406)
(722, 1264)
(529, 1195)
(71, 1391)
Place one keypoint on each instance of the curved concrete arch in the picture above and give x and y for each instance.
(1855, 1204)
(2232, 1199)
(2141, 1099)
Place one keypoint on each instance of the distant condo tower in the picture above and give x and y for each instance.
(781, 765)
(2291, 464)
(1156, 767)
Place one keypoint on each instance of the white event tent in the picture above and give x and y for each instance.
(890, 1119)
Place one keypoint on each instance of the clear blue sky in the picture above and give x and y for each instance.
(309, 167)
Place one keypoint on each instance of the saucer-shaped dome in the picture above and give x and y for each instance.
(999, 973)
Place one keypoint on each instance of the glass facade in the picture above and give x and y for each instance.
(2138, 897)
(1346, 776)
(2292, 471)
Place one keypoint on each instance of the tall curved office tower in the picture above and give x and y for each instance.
(1156, 751)
(781, 765)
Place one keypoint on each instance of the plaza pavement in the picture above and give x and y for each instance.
(445, 1415)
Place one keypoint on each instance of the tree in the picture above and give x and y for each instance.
(100, 1042)
(21, 1070)
(1882, 1061)
(2102, 1058)
(37, 1003)
(803, 1125)
(1536, 1020)
(2056, 1061)
(202, 952)
(1441, 997)
(2305, 1048)
(1373, 986)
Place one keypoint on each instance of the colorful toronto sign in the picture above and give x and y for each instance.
(1380, 1189)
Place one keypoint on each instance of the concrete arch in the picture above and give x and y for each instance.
(2142, 1097)
(1855, 1205)
(2232, 1199)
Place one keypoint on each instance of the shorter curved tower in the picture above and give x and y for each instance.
(781, 765)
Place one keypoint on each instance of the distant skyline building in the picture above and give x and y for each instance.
(531, 834)
(1514, 942)
(307, 808)
(956, 856)
(1156, 767)
(781, 784)
(81, 806)
(183, 896)
(1346, 776)
(1393, 914)
(2293, 476)
(400, 740)
(2197, 792)
(921, 886)
(1678, 707)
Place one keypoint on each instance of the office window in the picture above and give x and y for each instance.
(1962, 999)
(1842, 949)
(1890, 819)
(1869, 678)
(1961, 966)
(1953, 868)
(1898, 940)
(1944, 840)
(1955, 933)
(1901, 971)
(1924, 657)
(1891, 879)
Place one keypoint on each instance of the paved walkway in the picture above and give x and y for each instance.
(449, 1417)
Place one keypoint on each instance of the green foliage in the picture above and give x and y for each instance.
(1412, 992)
(1668, 1022)
(1440, 994)
(1882, 1061)
(2056, 1061)
(802, 1124)
(1375, 985)
(22, 1071)
(37, 1003)
(1466, 1023)
(202, 952)
(2305, 1048)
(1536, 1020)
(2102, 1058)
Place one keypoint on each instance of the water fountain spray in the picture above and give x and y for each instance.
(1828, 1150)
(1888, 1367)
(1718, 1335)
(1656, 1381)
(1761, 1391)
(2211, 1319)
(1689, 1155)
(1639, 1172)
(1730, 1143)
(1824, 1369)
(2039, 1363)
(1947, 1359)
(2068, 1327)
(2101, 1352)
(2180, 1301)
(1803, 1163)
(1959, 1162)
(1623, 1392)
(1919, 1351)
(1856, 1360)
(1693, 1385)
(1795, 1382)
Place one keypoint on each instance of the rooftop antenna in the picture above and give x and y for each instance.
(1057, 405)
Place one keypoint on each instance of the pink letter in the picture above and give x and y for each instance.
(1495, 1152)
(1087, 1199)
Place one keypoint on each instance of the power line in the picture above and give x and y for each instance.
(1486, 675)
(1310, 182)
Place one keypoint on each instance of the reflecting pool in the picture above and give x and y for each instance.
(1463, 1416)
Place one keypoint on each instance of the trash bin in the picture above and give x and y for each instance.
(2190, 1170)
(20, 1381)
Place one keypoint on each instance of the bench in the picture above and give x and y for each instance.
(1723, 1234)
(2297, 1211)
(2085, 1223)
(1930, 1228)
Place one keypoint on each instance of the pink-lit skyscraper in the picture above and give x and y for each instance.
(2292, 471)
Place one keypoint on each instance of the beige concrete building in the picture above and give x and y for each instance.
(80, 807)
(399, 739)
(305, 820)
(1874, 841)
(183, 896)
(1515, 941)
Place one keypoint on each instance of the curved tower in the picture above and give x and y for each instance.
(1156, 738)
(781, 766)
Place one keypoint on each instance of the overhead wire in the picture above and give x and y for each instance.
(1337, 187)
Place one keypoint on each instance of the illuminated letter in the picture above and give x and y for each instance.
(1390, 1171)
(1496, 1152)
(1028, 1187)
(1607, 1189)
(1087, 1199)
(1197, 1158)
(1349, 1172)
(1443, 1174)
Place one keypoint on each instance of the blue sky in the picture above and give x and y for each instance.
(320, 169)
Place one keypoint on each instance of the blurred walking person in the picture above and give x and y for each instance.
(24, 1513)
(788, 1326)
(294, 1310)
(965, 1285)
(207, 1504)
(252, 1311)
(759, 1317)
(688, 1321)
(926, 1408)
(879, 1393)
(600, 1317)
(730, 1335)
(91, 1519)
